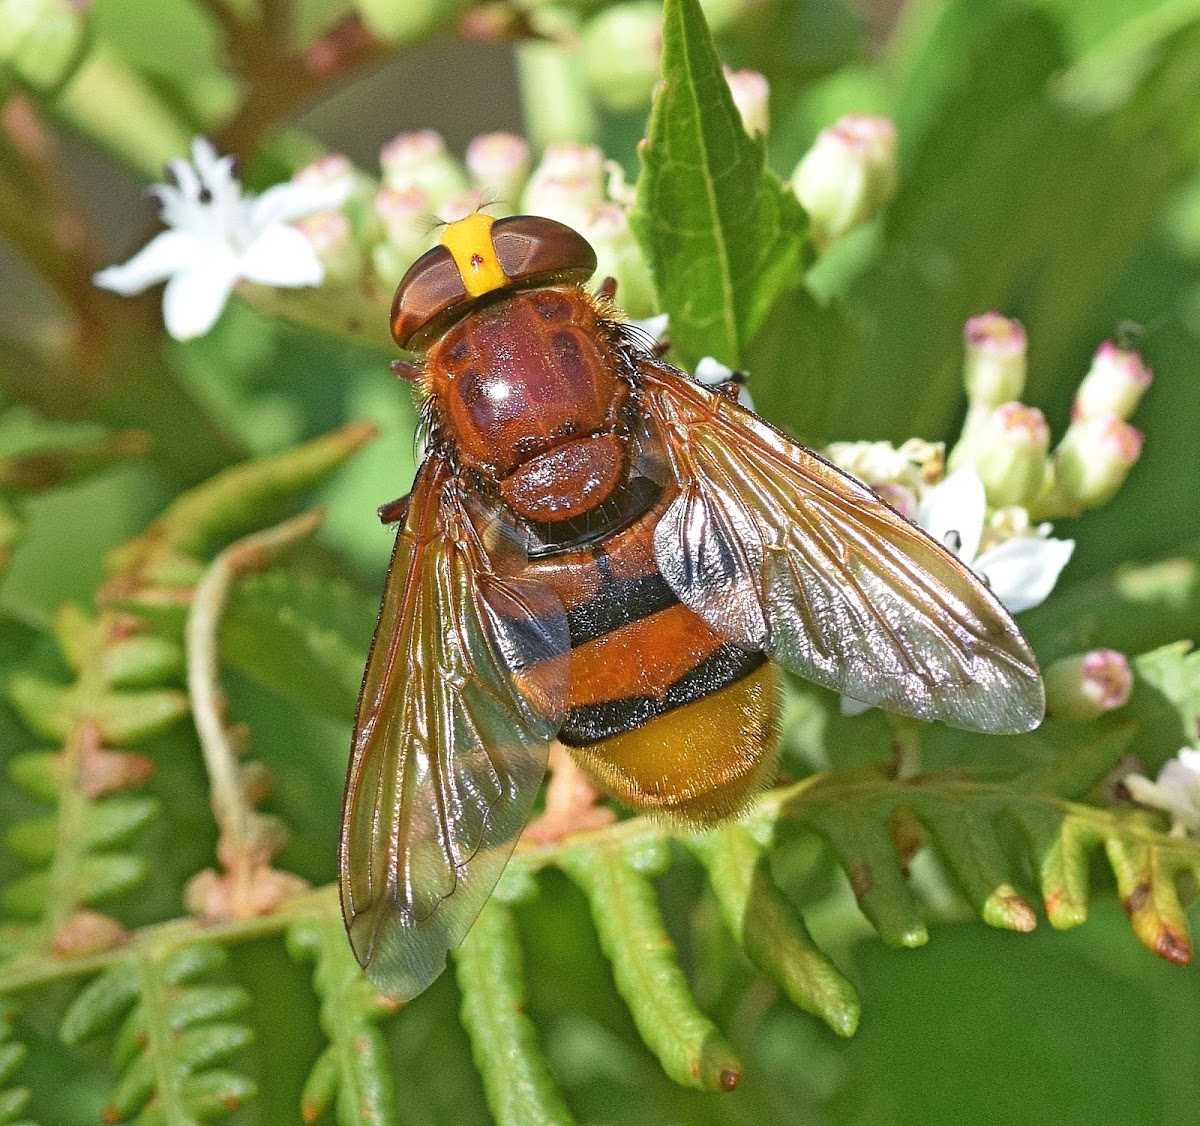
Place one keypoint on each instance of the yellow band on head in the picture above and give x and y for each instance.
(469, 241)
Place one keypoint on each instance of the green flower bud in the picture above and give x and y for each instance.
(420, 160)
(751, 95)
(408, 222)
(620, 50)
(330, 236)
(995, 366)
(499, 164)
(618, 256)
(1087, 685)
(359, 206)
(848, 175)
(1114, 384)
(41, 40)
(1094, 458)
(567, 184)
(1010, 454)
(404, 21)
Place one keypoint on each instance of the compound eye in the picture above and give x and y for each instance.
(431, 287)
(530, 247)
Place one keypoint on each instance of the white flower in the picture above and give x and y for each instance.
(712, 373)
(1176, 790)
(1020, 571)
(654, 327)
(217, 235)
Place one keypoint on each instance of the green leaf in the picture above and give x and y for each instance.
(520, 1089)
(238, 500)
(1135, 607)
(857, 813)
(216, 1093)
(55, 464)
(354, 1068)
(122, 717)
(1175, 671)
(647, 973)
(140, 660)
(304, 636)
(100, 1004)
(722, 236)
(765, 927)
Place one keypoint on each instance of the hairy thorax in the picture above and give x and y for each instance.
(529, 391)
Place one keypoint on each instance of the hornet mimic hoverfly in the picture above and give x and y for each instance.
(599, 549)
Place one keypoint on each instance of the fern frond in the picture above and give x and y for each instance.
(354, 1069)
(78, 851)
(175, 1028)
(13, 1100)
(49, 464)
(854, 812)
(648, 976)
(504, 1042)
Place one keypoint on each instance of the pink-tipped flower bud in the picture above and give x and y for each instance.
(994, 367)
(461, 204)
(420, 160)
(902, 498)
(331, 168)
(848, 175)
(334, 171)
(1087, 685)
(570, 160)
(620, 49)
(618, 256)
(567, 184)
(751, 95)
(499, 164)
(1094, 458)
(1010, 453)
(330, 236)
(1114, 384)
(407, 219)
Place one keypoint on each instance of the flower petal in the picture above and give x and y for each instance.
(1022, 571)
(281, 256)
(285, 202)
(954, 510)
(655, 326)
(710, 372)
(167, 253)
(194, 298)
(1183, 810)
(1189, 759)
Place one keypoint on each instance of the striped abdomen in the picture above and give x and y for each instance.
(662, 711)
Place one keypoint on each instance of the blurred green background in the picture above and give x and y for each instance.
(1050, 167)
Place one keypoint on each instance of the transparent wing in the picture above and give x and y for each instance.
(465, 687)
(779, 551)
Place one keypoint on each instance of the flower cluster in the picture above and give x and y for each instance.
(1176, 790)
(989, 501)
(1009, 443)
(355, 235)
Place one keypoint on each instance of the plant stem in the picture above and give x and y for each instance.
(279, 80)
(555, 101)
(233, 810)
